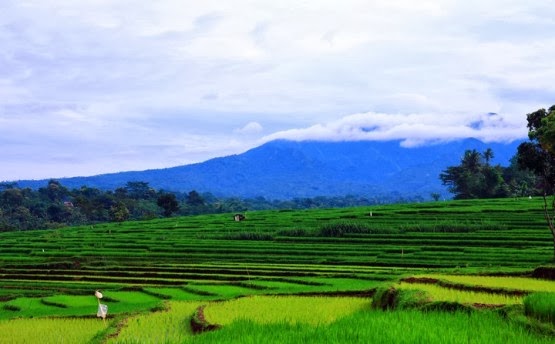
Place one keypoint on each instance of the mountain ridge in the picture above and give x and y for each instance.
(283, 169)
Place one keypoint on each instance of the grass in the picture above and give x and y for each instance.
(288, 309)
(509, 283)
(540, 306)
(142, 266)
(62, 330)
(168, 326)
(438, 293)
(381, 327)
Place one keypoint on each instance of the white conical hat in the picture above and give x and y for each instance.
(98, 294)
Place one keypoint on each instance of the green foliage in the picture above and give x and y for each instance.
(341, 228)
(148, 265)
(385, 298)
(440, 293)
(50, 330)
(119, 212)
(11, 308)
(290, 309)
(538, 156)
(55, 206)
(298, 232)
(476, 178)
(540, 306)
(169, 203)
(404, 326)
(167, 326)
(250, 236)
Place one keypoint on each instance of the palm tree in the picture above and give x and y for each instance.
(488, 155)
(471, 160)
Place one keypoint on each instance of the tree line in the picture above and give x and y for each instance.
(476, 177)
(54, 205)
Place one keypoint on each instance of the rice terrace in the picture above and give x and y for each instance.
(461, 271)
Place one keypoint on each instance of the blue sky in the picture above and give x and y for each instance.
(89, 87)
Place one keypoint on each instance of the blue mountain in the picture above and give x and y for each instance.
(287, 169)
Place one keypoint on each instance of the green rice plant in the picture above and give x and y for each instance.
(129, 301)
(249, 236)
(168, 326)
(290, 309)
(297, 232)
(221, 290)
(540, 306)
(48, 330)
(27, 307)
(339, 229)
(453, 227)
(505, 282)
(438, 293)
(176, 294)
(52, 303)
(11, 308)
(405, 326)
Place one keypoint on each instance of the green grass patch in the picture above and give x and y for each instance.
(438, 293)
(170, 325)
(540, 306)
(50, 330)
(408, 326)
(290, 309)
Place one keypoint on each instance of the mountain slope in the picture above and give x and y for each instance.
(286, 169)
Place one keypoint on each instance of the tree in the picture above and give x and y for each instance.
(194, 199)
(488, 155)
(169, 203)
(11, 198)
(119, 212)
(521, 181)
(475, 177)
(54, 191)
(139, 190)
(538, 155)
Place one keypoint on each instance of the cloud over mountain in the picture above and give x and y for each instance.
(412, 129)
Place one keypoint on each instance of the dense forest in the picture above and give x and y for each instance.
(54, 205)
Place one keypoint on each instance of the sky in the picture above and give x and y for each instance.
(97, 86)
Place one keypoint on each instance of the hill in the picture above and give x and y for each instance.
(287, 169)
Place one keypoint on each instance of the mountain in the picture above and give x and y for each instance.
(286, 169)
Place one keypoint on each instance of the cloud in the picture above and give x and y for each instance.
(94, 77)
(410, 129)
(250, 129)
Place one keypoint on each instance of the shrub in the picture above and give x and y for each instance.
(385, 299)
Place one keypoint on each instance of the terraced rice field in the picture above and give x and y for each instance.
(161, 271)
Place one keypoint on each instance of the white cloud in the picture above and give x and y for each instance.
(411, 129)
(108, 75)
(250, 129)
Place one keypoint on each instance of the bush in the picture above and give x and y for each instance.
(385, 299)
